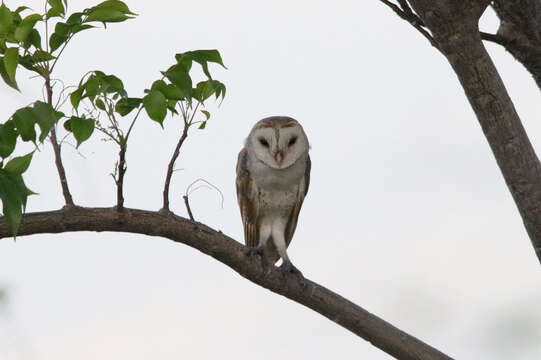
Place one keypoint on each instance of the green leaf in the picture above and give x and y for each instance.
(75, 97)
(6, 19)
(170, 91)
(14, 194)
(11, 60)
(115, 5)
(81, 128)
(185, 60)
(115, 84)
(46, 117)
(204, 56)
(155, 105)
(206, 113)
(171, 106)
(5, 76)
(91, 86)
(41, 56)
(57, 8)
(180, 79)
(75, 18)
(125, 105)
(21, 9)
(107, 15)
(25, 119)
(62, 29)
(55, 41)
(77, 28)
(8, 138)
(18, 165)
(34, 38)
(99, 104)
(24, 28)
(204, 123)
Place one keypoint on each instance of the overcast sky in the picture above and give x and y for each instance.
(407, 214)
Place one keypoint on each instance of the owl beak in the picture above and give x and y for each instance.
(279, 157)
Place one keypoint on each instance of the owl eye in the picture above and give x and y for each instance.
(292, 141)
(263, 142)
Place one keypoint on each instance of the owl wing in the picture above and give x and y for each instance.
(247, 199)
(291, 225)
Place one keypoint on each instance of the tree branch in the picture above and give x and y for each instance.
(171, 167)
(56, 148)
(454, 26)
(230, 252)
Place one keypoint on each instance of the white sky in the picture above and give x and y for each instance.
(407, 214)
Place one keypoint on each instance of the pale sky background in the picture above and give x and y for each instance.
(407, 215)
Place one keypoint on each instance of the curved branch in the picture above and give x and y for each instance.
(230, 252)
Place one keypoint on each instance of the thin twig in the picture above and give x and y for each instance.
(56, 148)
(133, 122)
(185, 197)
(408, 15)
(171, 167)
(207, 185)
(493, 38)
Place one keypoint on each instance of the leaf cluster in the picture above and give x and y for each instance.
(21, 45)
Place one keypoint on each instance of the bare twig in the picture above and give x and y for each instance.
(207, 184)
(407, 14)
(56, 148)
(171, 167)
(187, 203)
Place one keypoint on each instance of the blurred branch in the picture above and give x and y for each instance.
(230, 252)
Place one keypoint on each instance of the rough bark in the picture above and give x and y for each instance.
(230, 252)
(520, 32)
(454, 26)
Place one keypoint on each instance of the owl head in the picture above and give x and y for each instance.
(278, 141)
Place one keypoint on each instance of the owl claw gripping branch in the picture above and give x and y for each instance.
(273, 174)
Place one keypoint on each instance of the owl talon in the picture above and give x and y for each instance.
(251, 251)
(288, 268)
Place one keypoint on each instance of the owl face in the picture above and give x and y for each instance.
(278, 141)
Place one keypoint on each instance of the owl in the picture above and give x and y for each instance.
(273, 174)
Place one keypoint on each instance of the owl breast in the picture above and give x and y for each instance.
(278, 189)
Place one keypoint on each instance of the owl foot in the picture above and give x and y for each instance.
(288, 268)
(251, 251)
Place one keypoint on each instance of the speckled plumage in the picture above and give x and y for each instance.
(273, 175)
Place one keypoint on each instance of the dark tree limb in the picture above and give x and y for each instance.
(230, 252)
(454, 26)
(171, 167)
(57, 150)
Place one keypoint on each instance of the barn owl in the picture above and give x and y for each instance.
(273, 174)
